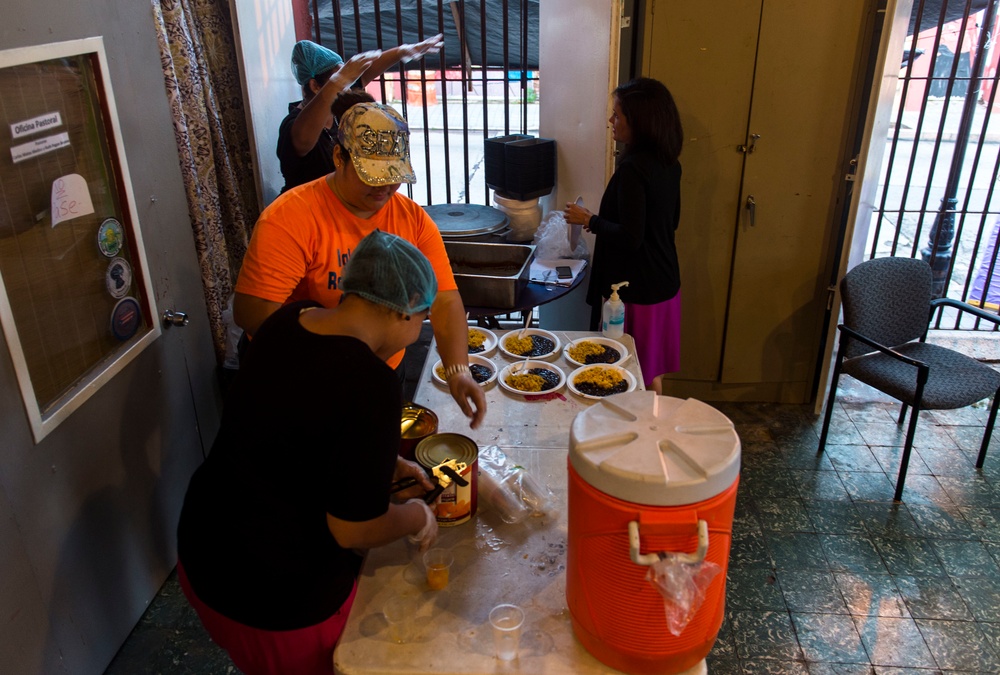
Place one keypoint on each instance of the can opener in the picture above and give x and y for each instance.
(444, 474)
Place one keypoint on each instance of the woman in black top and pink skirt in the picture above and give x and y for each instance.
(636, 222)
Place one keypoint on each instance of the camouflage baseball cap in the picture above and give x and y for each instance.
(378, 139)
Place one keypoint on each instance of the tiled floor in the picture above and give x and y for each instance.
(827, 576)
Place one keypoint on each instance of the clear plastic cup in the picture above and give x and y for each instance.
(502, 498)
(537, 496)
(399, 611)
(506, 621)
(437, 564)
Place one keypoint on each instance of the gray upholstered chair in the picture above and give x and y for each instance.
(887, 309)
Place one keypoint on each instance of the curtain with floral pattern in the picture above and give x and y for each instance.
(200, 72)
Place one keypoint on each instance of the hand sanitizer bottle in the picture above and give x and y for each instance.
(613, 317)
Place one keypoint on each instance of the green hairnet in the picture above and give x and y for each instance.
(310, 59)
(388, 270)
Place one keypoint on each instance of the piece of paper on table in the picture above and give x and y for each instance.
(544, 271)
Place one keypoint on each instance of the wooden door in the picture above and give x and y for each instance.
(755, 294)
(802, 97)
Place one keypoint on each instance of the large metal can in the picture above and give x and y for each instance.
(458, 502)
(417, 423)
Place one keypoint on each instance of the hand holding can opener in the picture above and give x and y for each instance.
(444, 473)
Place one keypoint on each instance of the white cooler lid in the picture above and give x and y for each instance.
(655, 450)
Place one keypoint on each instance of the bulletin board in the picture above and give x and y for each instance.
(75, 298)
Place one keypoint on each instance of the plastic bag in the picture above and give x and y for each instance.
(509, 489)
(682, 586)
(552, 239)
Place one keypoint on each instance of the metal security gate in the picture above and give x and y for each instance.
(484, 83)
(937, 195)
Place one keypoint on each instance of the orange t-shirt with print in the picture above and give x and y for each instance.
(302, 241)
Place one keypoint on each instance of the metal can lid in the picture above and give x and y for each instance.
(437, 448)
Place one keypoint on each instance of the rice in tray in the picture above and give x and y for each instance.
(529, 345)
(600, 382)
(587, 352)
(534, 380)
(477, 341)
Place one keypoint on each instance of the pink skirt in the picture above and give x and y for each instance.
(656, 330)
(305, 651)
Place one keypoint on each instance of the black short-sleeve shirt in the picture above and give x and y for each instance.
(316, 163)
(311, 427)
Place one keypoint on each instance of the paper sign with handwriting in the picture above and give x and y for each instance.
(70, 198)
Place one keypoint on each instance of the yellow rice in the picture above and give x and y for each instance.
(525, 381)
(581, 350)
(476, 339)
(516, 345)
(605, 378)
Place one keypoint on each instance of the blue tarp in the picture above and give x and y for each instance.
(423, 18)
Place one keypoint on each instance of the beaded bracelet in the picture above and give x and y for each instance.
(455, 369)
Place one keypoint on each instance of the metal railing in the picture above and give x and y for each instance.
(483, 83)
(937, 197)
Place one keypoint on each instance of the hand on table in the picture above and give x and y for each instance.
(470, 397)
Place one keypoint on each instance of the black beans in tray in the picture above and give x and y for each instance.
(551, 378)
(540, 346)
(591, 389)
(609, 355)
(480, 373)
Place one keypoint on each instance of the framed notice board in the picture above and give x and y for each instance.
(76, 303)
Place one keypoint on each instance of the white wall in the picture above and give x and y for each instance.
(265, 35)
(578, 59)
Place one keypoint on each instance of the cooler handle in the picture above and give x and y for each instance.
(650, 558)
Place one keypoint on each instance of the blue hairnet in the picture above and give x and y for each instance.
(310, 59)
(388, 270)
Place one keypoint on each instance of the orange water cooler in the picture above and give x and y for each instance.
(647, 474)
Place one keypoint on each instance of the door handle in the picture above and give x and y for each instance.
(752, 209)
(748, 149)
(172, 318)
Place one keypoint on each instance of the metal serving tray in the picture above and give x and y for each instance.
(490, 275)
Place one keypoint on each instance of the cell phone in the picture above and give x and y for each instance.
(564, 272)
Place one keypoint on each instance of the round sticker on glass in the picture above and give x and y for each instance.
(118, 277)
(110, 237)
(125, 318)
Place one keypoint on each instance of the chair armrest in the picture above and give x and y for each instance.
(964, 307)
(882, 348)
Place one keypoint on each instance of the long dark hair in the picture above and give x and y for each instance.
(652, 117)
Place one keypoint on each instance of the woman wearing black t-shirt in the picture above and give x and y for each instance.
(299, 475)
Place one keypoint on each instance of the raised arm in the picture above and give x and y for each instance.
(316, 113)
(402, 54)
